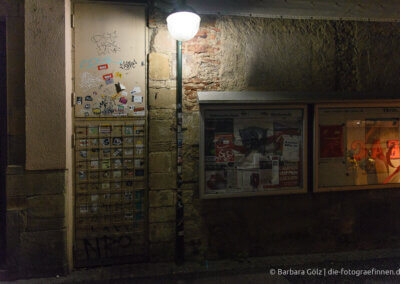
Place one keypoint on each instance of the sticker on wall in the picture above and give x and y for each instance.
(119, 87)
(105, 164)
(108, 76)
(96, 111)
(105, 141)
(87, 106)
(105, 129)
(136, 90)
(109, 81)
(88, 98)
(118, 75)
(102, 67)
(124, 93)
(123, 100)
(83, 154)
(137, 99)
(117, 163)
(117, 141)
(121, 108)
(83, 142)
(128, 130)
(78, 100)
(139, 163)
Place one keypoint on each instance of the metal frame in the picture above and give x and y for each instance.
(248, 106)
(3, 149)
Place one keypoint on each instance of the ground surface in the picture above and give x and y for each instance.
(371, 267)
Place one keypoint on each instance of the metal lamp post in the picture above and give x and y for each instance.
(183, 24)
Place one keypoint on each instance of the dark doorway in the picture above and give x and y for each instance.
(3, 141)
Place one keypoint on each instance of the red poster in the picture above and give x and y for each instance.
(224, 148)
(331, 141)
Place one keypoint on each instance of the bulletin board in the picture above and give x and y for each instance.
(248, 151)
(357, 146)
(110, 134)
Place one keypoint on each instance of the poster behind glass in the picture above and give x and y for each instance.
(358, 146)
(249, 151)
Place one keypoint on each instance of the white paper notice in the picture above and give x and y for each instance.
(291, 147)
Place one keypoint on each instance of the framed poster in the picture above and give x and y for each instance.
(252, 150)
(356, 146)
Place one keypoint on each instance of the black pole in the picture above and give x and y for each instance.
(180, 247)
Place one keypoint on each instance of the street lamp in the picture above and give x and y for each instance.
(183, 24)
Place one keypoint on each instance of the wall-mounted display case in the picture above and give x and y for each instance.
(356, 146)
(252, 150)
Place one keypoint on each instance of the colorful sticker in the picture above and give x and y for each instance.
(108, 76)
(128, 130)
(96, 111)
(109, 81)
(123, 100)
(117, 74)
(102, 67)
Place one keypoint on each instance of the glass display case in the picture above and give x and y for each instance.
(252, 150)
(356, 146)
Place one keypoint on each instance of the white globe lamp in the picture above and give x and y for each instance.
(183, 25)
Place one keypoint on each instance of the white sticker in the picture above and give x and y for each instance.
(124, 93)
(136, 90)
(138, 99)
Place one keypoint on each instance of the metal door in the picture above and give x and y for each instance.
(110, 134)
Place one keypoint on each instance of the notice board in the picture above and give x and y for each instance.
(252, 150)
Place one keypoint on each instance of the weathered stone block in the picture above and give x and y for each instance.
(160, 162)
(46, 206)
(161, 214)
(158, 66)
(187, 197)
(163, 42)
(44, 252)
(162, 181)
(45, 182)
(161, 198)
(162, 232)
(162, 146)
(16, 185)
(162, 98)
(163, 114)
(161, 131)
(191, 122)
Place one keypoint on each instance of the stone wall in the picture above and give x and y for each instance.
(35, 221)
(245, 53)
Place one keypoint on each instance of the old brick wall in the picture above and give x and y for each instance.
(245, 53)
